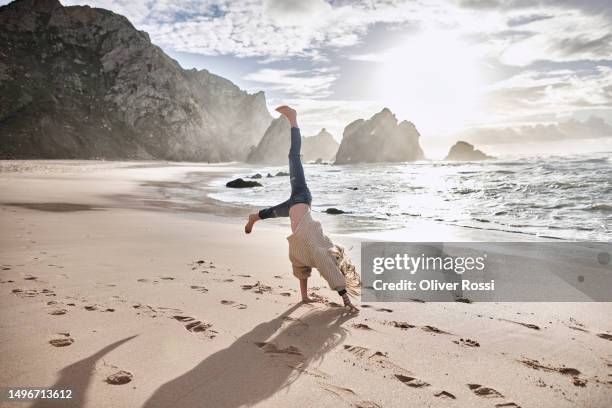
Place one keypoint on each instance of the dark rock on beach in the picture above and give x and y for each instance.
(334, 211)
(256, 176)
(282, 174)
(240, 183)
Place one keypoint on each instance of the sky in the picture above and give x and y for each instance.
(509, 75)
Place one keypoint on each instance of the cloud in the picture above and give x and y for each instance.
(526, 19)
(313, 83)
(551, 92)
(592, 128)
(297, 12)
(247, 28)
(601, 46)
(566, 36)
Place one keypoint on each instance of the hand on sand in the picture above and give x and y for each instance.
(351, 308)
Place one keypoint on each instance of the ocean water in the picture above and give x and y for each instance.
(565, 197)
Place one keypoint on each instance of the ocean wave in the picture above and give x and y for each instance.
(600, 207)
(516, 196)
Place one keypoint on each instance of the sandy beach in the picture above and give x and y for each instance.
(100, 274)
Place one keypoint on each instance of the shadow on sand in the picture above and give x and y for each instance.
(77, 377)
(258, 364)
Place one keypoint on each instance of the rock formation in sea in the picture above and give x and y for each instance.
(379, 139)
(82, 82)
(321, 146)
(463, 151)
(274, 145)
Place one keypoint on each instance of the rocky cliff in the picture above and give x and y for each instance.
(463, 151)
(81, 82)
(274, 145)
(379, 139)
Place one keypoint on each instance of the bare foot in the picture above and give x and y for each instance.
(307, 300)
(289, 113)
(253, 218)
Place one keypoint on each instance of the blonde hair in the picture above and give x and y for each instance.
(346, 266)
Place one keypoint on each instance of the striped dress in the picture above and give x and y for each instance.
(310, 248)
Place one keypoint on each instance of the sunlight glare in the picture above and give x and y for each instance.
(433, 80)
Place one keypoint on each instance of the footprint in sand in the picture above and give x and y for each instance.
(257, 288)
(119, 378)
(58, 312)
(484, 392)
(401, 325)
(274, 349)
(367, 404)
(201, 266)
(467, 342)
(356, 350)
(145, 309)
(62, 341)
(432, 329)
(30, 278)
(382, 309)
(339, 391)
(196, 326)
(569, 371)
(528, 325)
(232, 303)
(578, 329)
(605, 336)
(362, 326)
(167, 278)
(445, 394)
(316, 298)
(411, 381)
(347, 395)
(199, 288)
(23, 293)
